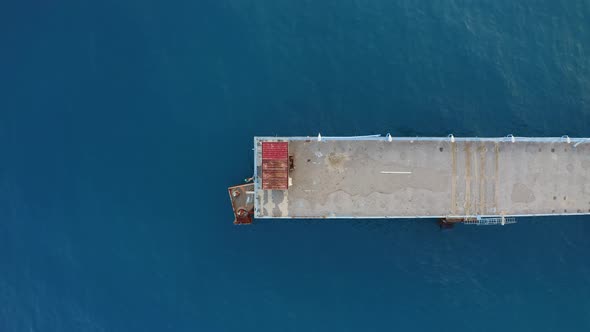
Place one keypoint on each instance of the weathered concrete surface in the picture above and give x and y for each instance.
(435, 178)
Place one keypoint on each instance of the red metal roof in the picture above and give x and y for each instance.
(275, 165)
(275, 150)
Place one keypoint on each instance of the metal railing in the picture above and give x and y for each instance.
(450, 138)
(489, 221)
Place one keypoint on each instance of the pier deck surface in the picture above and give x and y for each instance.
(408, 178)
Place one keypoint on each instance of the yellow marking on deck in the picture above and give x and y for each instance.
(467, 204)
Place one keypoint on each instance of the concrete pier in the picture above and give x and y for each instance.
(382, 177)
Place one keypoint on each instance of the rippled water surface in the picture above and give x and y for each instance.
(123, 122)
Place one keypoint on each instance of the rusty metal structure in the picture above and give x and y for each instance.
(242, 201)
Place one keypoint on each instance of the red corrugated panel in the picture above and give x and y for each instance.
(275, 150)
(275, 165)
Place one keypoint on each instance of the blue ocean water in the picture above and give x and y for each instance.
(122, 123)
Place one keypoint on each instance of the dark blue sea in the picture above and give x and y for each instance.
(123, 122)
